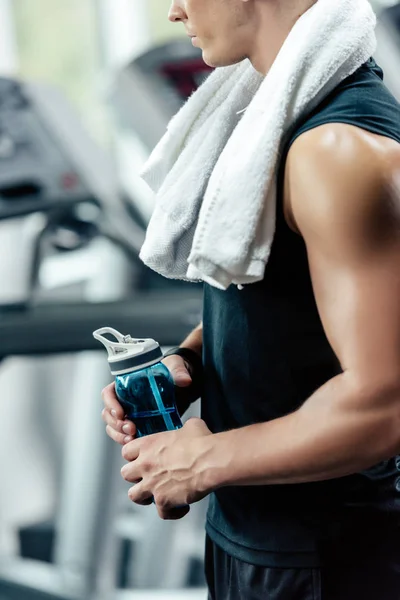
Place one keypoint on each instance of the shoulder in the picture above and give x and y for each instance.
(336, 173)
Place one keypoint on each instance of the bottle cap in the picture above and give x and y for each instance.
(128, 354)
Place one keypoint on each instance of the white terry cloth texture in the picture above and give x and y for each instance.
(214, 171)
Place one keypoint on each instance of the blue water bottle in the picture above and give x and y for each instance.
(143, 384)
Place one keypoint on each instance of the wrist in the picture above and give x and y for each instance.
(194, 340)
(216, 462)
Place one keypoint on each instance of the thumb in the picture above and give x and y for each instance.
(181, 376)
(178, 369)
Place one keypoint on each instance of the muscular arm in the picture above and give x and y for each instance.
(342, 200)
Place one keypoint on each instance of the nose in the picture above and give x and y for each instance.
(176, 12)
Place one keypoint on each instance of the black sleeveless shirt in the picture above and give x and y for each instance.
(265, 352)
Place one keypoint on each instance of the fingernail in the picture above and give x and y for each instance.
(126, 428)
(128, 439)
(114, 413)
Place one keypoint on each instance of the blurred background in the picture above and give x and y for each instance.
(87, 88)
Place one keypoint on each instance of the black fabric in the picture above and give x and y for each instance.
(229, 578)
(264, 353)
(232, 579)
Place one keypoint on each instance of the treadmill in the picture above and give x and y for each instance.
(50, 169)
(49, 166)
(151, 89)
(388, 52)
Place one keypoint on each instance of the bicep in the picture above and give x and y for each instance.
(358, 297)
(351, 227)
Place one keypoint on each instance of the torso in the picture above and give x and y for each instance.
(266, 351)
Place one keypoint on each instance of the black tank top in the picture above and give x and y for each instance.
(265, 352)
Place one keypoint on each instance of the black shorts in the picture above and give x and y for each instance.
(229, 578)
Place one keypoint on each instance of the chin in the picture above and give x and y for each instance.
(214, 60)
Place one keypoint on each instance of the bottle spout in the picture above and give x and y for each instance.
(122, 344)
(126, 351)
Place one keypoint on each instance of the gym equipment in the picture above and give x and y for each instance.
(59, 193)
(388, 51)
(49, 166)
(152, 88)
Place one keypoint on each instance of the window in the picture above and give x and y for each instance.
(57, 43)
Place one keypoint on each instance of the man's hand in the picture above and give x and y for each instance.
(170, 467)
(123, 431)
(118, 428)
(180, 371)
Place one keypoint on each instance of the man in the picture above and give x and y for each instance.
(300, 431)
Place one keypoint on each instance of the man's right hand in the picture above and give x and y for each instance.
(118, 427)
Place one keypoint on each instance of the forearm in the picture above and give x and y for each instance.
(194, 340)
(338, 431)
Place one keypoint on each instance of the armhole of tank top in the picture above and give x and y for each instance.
(281, 218)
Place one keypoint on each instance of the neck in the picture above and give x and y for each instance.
(272, 24)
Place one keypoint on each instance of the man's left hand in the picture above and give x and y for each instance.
(169, 466)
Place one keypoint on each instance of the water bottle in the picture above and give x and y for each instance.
(143, 384)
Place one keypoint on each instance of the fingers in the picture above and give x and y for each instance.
(111, 402)
(126, 427)
(144, 499)
(121, 432)
(140, 495)
(147, 502)
(178, 369)
(118, 429)
(173, 514)
(130, 452)
(120, 438)
(132, 471)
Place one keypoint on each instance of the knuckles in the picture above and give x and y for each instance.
(162, 503)
(127, 476)
(146, 466)
(105, 391)
(131, 494)
(126, 452)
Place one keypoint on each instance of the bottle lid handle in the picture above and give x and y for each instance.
(113, 348)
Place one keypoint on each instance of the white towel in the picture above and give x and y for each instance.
(214, 171)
